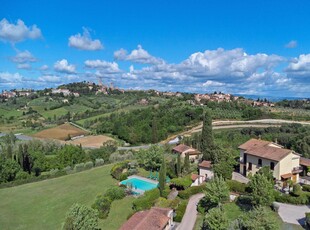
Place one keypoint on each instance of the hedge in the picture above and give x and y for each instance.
(306, 187)
(180, 211)
(182, 183)
(187, 193)
(146, 201)
(236, 186)
(118, 168)
(303, 198)
(115, 193)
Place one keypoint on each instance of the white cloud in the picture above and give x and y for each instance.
(138, 55)
(6, 77)
(291, 44)
(44, 67)
(23, 57)
(64, 67)
(24, 66)
(84, 42)
(50, 78)
(18, 32)
(212, 84)
(107, 67)
(299, 66)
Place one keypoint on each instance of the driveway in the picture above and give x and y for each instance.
(293, 214)
(189, 218)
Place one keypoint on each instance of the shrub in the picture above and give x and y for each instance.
(306, 187)
(164, 203)
(236, 186)
(79, 167)
(68, 169)
(244, 200)
(53, 171)
(187, 193)
(147, 200)
(88, 165)
(182, 183)
(296, 190)
(123, 176)
(102, 204)
(115, 193)
(22, 175)
(81, 217)
(99, 162)
(180, 210)
(287, 198)
(166, 192)
(118, 168)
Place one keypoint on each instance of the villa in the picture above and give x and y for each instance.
(182, 149)
(153, 219)
(284, 163)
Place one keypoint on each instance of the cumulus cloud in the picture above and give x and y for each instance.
(84, 42)
(64, 67)
(26, 66)
(23, 57)
(50, 78)
(6, 77)
(213, 84)
(18, 32)
(299, 66)
(138, 55)
(107, 67)
(291, 44)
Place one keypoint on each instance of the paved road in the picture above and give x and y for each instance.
(293, 214)
(189, 218)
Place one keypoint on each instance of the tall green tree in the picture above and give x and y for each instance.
(216, 219)
(154, 130)
(179, 166)
(261, 190)
(207, 142)
(186, 163)
(150, 158)
(162, 176)
(81, 217)
(216, 192)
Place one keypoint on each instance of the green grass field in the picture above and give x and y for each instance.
(43, 205)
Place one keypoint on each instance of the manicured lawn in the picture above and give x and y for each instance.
(232, 211)
(119, 211)
(43, 205)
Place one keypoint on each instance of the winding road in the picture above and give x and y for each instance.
(189, 218)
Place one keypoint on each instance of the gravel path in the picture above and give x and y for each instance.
(293, 214)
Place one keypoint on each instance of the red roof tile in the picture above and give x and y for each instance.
(153, 219)
(205, 164)
(185, 149)
(194, 177)
(287, 175)
(264, 149)
(304, 161)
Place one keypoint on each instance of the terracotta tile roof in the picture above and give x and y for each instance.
(185, 149)
(205, 164)
(181, 148)
(287, 175)
(304, 161)
(153, 219)
(264, 149)
(194, 177)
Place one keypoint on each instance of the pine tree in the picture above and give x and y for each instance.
(179, 165)
(207, 143)
(186, 163)
(162, 176)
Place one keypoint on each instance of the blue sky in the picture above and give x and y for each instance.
(241, 47)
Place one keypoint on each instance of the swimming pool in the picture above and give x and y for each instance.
(140, 183)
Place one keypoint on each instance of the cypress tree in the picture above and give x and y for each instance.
(207, 143)
(179, 165)
(186, 163)
(154, 131)
(162, 176)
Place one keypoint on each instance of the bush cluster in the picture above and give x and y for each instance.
(182, 183)
(236, 186)
(303, 198)
(187, 193)
(180, 211)
(99, 162)
(306, 188)
(118, 169)
(146, 201)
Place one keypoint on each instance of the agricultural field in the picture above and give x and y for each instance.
(61, 132)
(43, 205)
(289, 113)
(91, 141)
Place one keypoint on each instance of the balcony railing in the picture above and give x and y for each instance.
(297, 169)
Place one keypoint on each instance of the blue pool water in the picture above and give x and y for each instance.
(140, 184)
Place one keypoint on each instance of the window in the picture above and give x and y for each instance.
(271, 165)
(259, 162)
(250, 166)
